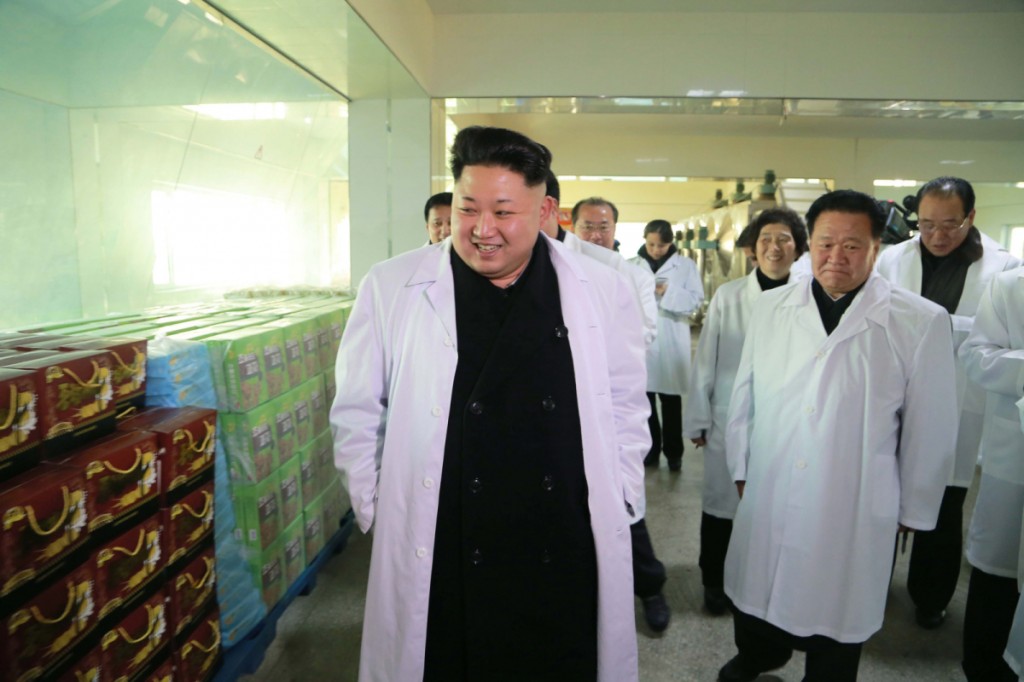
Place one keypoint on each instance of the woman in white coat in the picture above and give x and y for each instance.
(993, 357)
(679, 293)
(778, 237)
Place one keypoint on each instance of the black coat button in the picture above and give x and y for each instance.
(476, 556)
(548, 483)
(545, 557)
(475, 485)
(476, 407)
(548, 404)
(561, 331)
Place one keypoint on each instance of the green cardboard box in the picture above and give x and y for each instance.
(295, 361)
(313, 529)
(293, 551)
(318, 404)
(310, 481)
(268, 572)
(301, 408)
(248, 367)
(290, 485)
(250, 443)
(285, 436)
(334, 504)
(323, 459)
(258, 512)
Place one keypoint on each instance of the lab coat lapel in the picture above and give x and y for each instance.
(807, 316)
(870, 304)
(910, 267)
(435, 272)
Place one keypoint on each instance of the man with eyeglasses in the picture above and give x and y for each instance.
(593, 220)
(950, 262)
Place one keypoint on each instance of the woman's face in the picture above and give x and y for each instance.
(656, 248)
(776, 250)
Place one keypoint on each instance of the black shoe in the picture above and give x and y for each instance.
(652, 462)
(715, 600)
(656, 612)
(675, 464)
(737, 671)
(930, 619)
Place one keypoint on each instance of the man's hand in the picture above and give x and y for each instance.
(740, 485)
(659, 288)
(700, 441)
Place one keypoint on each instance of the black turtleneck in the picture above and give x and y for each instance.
(561, 234)
(831, 311)
(767, 282)
(943, 277)
(655, 264)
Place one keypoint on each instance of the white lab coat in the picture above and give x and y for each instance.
(395, 369)
(839, 439)
(993, 357)
(901, 265)
(642, 279)
(1014, 654)
(668, 358)
(643, 285)
(714, 369)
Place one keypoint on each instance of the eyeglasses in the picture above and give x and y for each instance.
(591, 227)
(946, 226)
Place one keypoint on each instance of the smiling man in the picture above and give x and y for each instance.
(490, 425)
(841, 429)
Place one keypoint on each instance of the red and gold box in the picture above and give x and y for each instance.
(190, 591)
(164, 672)
(197, 657)
(20, 434)
(188, 522)
(187, 441)
(128, 368)
(120, 473)
(126, 564)
(45, 518)
(40, 635)
(132, 643)
(76, 400)
(88, 668)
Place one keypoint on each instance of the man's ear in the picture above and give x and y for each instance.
(549, 206)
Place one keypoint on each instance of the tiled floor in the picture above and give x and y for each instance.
(318, 637)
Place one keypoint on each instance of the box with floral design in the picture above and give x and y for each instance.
(191, 590)
(128, 369)
(127, 564)
(258, 511)
(45, 519)
(88, 667)
(248, 365)
(186, 437)
(188, 522)
(40, 636)
(76, 399)
(196, 658)
(137, 639)
(20, 435)
(250, 443)
(120, 472)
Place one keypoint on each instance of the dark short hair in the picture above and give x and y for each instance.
(848, 201)
(553, 189)
(662, 228)
(746, 238)
(947, 187)
(782, 216)
(439, 199)
(500, 147)
(594, 201)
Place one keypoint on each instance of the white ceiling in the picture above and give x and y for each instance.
(743, 6)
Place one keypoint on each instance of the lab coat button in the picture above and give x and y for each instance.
(476, 407)
(476, 557)
(428, 483)
(545, 557)
(801, 464)
(548, 483)
(476, 485)
(447, 341)
(561, 331)
(810, 410)
(436, 412)
(548, 404)
(421, 552)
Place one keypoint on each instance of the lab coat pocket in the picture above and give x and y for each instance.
(1003, 443)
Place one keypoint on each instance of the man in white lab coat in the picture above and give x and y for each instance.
(950, 263)
(490, 425)
(841, 430)
(437, 213)
(993, 356)
(649, 574)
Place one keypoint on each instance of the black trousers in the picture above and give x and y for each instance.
(648, 573)
(764, 647)
(935, 559)
(714, 542)
(988, 616)
(667, 437)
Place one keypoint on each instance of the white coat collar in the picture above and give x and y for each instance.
(872, 303)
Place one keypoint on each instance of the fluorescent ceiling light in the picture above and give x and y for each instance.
(796, 181)
(567, 178)
(213, 19)
(700, 93)
(623, 178)
(680, 178)
(244, 111)
(1019, 185)
(898, 182)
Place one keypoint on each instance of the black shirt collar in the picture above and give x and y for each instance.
(832, 311)
(767, 282)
